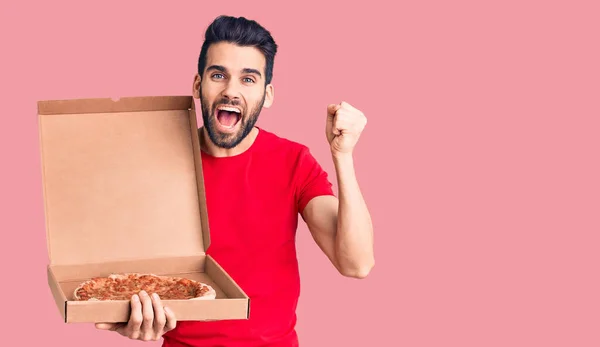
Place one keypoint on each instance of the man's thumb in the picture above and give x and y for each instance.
(106, 326)
(332, 108)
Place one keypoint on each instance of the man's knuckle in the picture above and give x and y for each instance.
(136, 319)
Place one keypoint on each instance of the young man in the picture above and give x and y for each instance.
(257, 184)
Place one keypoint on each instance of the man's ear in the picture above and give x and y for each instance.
(196, 86)
(269, 96)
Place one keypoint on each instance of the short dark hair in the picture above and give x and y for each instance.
(242, 32)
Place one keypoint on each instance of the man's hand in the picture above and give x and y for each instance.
(149, 320)
(344, 126)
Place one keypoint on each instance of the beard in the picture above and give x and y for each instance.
(247, 121)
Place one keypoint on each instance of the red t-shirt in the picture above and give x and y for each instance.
(253, 201)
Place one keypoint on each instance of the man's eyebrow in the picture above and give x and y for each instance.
(254, 71)
(216, 67)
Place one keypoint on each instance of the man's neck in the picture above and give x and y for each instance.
(210, 148)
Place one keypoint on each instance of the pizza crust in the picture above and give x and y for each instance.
(209, 295)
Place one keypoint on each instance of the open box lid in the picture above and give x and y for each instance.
(122, 179)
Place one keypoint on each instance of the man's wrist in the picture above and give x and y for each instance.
(341, 159)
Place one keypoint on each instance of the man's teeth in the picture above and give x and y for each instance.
(230, 109)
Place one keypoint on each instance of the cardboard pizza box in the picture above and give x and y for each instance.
(124, 192)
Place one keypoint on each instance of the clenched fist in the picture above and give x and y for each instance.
(344, 126)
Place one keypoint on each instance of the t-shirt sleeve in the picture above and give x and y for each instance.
(311, 180)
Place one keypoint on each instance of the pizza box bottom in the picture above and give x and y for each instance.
(231, 301)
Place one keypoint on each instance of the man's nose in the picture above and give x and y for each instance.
(232, 90)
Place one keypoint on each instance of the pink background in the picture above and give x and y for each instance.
(486, 197)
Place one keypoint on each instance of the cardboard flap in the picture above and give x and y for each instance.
(107, 105)
(121, 179)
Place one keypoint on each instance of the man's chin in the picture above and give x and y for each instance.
(225, 140)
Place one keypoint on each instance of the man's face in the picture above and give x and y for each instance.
(232, 92)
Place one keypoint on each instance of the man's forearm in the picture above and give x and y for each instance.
(354, 237)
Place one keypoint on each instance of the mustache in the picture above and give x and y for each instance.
(227, 102)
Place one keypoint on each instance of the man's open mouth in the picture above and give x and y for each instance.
(228, 116)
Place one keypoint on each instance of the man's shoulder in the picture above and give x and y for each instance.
(277, 142)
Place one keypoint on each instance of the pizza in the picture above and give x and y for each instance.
(124, 286)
